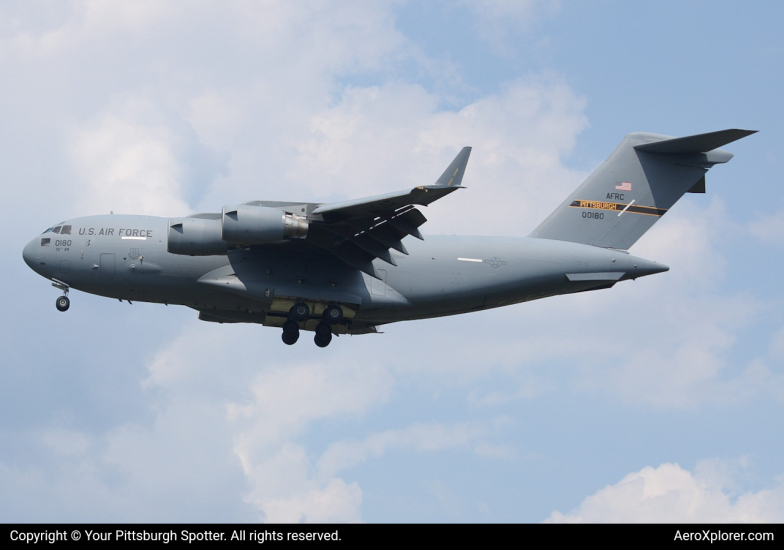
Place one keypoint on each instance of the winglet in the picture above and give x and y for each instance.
(453, 175)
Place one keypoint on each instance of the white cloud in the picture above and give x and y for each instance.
(128, 167)
(394, 136)
(224, 429)
(777, 345)
(670, 494)
(419, 437)
(67, 443)
(769, 229)
(497, 20)
(284, 489)
(285, 403)
(266, 411)
(334, 502)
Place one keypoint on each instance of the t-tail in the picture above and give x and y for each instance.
(635, 187)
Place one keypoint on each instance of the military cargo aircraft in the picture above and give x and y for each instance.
(343, 268)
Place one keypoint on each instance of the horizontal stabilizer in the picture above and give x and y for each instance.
(700, 143)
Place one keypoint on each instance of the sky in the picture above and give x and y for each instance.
(658, 400)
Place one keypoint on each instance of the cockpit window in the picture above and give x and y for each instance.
(45, 241)
(66, 230)
(57, 229)
(47, 231)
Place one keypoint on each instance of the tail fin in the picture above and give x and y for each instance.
(640, 181)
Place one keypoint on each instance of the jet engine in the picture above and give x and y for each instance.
(195, 237)
(247, 224)
(238, 225)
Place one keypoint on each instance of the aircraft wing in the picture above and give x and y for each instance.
(361, 230)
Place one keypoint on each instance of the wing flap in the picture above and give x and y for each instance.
(343, 248)
(409, 223)
(361, 230)
(389, 236)
(372, 246)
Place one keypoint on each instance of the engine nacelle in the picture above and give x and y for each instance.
(246, 224)
(195, 237)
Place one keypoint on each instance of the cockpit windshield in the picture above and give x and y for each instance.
(60, 229)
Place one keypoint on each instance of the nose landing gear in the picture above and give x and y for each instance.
(62, 303)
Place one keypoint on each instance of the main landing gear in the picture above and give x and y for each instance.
(333, 314)
(323, 335)
(300, 312)
(290, 332)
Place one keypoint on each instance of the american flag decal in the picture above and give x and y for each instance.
(625, 186)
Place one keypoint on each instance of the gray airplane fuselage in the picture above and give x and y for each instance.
(125, 257)
(348, 267)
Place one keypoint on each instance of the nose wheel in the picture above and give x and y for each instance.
(62, 303)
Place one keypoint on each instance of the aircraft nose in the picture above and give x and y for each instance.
(29, 254)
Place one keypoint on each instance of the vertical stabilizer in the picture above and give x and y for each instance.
(635, 187)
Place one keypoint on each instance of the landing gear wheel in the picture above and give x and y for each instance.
(290, 332)
(333, 314)
(323, 341)
(323, 335)
(62, 303)
(299, 312)
(290, 338)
